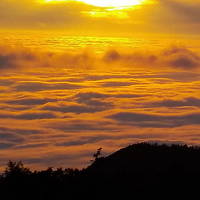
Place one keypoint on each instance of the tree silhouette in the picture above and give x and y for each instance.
(16, 169)
(97, 155)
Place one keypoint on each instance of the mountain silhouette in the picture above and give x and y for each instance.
(137, 171)
(149, 158)
(151, 169)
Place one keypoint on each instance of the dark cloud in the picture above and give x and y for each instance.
(96, 77)
(6, 61)
(111, 56)
(15, 58)
(11, 58)
(170, 16)
(6, 82)
(94, 100)
(16, 136)
(36, 115)
(184, 62)
(99, 138)
(89, 97)
(39, 86)
(82, 97)
(128, 95)
(6, 145)
(11, 137)
(182, 58)
(96, 106)
(155, 120)
(82, 141)
(30, 146)
(75, 126)
(174, 57)
(19, 131)
(176, 103)
(30, 101)
(181, 76)
(89, 102)
(186, 9)
(117, 84)
(29, 115)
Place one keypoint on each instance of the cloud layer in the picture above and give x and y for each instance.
(172, 57)
(56, 105)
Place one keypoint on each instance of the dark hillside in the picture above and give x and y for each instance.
(133, 172)
(150, 158)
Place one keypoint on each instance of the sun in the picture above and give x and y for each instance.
(113, 3)
(107, 3)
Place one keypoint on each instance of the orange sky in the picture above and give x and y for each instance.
(157, 16)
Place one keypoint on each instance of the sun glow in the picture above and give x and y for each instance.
(107, 3)
(113, 3)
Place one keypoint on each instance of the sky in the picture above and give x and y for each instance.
(156, 16)
(80, 75)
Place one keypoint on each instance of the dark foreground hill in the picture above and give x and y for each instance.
(139, 170)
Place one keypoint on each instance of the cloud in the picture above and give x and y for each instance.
(83, 140)
(190, 101)
(6, 145)
(173, 57)
(23, 59)
(35, 115)
(184, 62)
(13, 136)
(6, 82)
(6, 61)
(35, 14)
(97, 77)
(39, 86)
(85, 96)
(155, 120)
(18, 57)
(111, 56)
(186, 9)
(12, 58)
(89, 97)
(182, 58)
(8, 131)
(81, 125)
(117, 84)
(29, 115)
(181, 76)
(103, 137)
(31, 146)
(170, 16)
(30, 101)
(95, 106)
